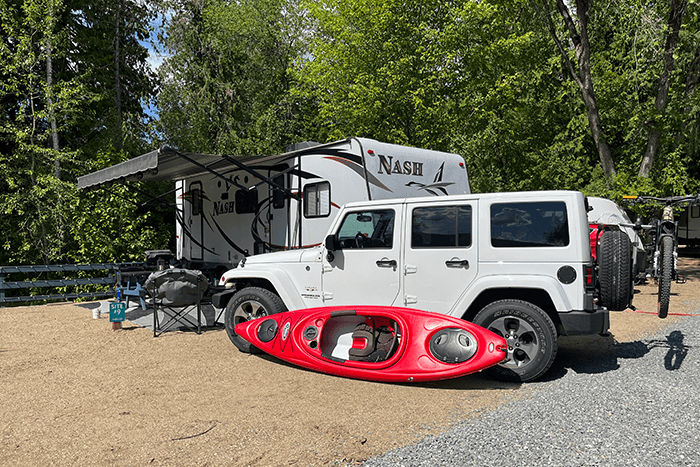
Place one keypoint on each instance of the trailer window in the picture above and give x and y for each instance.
(317, 199)
(246, 201)
(196, 201)
(695, 211)
(442, 226)
(278, 196)
(540, 224)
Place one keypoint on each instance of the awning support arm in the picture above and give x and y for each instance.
(255, 173)
(285, 171)
(213, 172)
(154, 198)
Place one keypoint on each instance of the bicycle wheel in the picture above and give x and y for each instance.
(665, 276)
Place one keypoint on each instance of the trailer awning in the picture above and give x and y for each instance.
(169, 164)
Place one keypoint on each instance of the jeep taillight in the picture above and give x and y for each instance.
(589, 276)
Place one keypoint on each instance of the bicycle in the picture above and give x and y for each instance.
(664, 245)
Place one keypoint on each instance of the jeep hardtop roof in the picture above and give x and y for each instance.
(521, 195)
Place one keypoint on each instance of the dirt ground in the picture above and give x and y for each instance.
(75, 392)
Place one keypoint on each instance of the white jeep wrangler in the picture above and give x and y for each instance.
(518, 264)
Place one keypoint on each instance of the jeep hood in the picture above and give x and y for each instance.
(290, 256)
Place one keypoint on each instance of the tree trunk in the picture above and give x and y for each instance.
(49, 101)
(582, 77)
(675, 20)
(583, 54)
(117, 80)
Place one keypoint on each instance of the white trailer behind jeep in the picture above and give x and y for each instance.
(228, 208)
(689, 226)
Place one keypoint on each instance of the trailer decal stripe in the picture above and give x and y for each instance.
(360, 171)
(186, 230)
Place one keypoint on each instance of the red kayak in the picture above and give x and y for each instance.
(376, 343)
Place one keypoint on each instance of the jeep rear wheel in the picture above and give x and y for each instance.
(530, 335)
(245, 305)
(615, 270)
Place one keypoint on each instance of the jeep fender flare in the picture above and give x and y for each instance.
(281, 282)
(551, 286)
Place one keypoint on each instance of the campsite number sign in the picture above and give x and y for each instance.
(117, 312)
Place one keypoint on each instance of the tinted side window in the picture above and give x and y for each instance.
(441, 226)
(278, 196)
(529, 224)
(367, 229)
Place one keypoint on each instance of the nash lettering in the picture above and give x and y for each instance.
(389, 166)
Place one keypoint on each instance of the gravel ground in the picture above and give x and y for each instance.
(635, 406)
(74, 392)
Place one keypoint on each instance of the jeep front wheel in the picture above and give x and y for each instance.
(247, 304)
(530, 335)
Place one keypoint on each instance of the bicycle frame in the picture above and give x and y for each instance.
(665, 248)
(667, 226)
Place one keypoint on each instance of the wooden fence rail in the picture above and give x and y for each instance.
(114, 276)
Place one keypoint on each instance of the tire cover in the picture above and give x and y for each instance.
(177, 287)
(615, 270)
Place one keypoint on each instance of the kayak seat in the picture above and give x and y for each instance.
(363, 332)
(373, 344)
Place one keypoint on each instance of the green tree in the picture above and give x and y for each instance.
(640, 58)
(108, 52)
(34, 98)
(53, 90)
(454, 76)
(225, 83)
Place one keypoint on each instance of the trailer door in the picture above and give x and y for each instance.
(276, 215)
(196, 221)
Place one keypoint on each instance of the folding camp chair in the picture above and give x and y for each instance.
(176, 293)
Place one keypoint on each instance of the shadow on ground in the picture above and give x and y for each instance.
(594, 354)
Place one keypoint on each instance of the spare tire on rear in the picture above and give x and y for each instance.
(615, 270)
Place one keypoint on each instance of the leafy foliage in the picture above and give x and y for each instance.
(225, 84)
(52, 68)
(482, 79)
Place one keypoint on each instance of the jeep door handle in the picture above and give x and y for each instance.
(387, 263)
(457, 263)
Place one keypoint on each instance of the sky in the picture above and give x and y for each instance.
(156, 55)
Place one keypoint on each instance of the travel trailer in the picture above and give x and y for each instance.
(689, 226)
(228, 208)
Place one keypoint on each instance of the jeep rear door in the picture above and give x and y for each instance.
(440, 253)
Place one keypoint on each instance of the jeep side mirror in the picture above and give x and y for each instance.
(332, 243)
(331, 246)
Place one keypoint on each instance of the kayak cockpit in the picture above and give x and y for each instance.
(353, 337)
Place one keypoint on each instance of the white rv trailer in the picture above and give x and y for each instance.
(229, 208)
(689, 226)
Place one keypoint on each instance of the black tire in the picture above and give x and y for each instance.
(246, 304)
(531, 338)
(615, 270)
(665, 277)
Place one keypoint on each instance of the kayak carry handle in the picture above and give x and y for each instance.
(339, 313)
